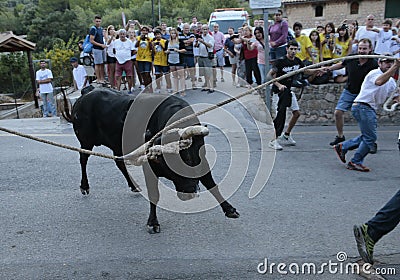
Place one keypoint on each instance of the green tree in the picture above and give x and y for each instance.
(14, 73)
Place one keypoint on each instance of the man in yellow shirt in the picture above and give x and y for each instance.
(160, 46)
(304, 51)
(144, 55)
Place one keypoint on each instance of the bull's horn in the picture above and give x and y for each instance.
(196, 130)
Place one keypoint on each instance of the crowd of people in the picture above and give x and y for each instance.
(135, 53)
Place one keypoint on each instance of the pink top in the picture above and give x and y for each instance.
(278, 33)
(219, 40)
(261, 52)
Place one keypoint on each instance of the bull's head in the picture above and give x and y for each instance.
(178, 160)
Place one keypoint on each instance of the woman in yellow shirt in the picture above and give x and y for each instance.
(342, 42)
(316, 49)
(328, 41)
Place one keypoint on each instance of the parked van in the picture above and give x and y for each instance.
(228, 17)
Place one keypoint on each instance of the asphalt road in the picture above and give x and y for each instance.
(304, 213)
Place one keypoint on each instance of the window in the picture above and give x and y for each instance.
(319, 11)
(392, 9)
(354, 8)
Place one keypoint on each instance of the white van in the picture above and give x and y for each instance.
(228, 17)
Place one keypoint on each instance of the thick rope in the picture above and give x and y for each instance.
(202, 112)
(58, 144)
(390, 99)
(199, 113)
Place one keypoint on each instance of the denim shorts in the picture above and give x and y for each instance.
(220, 58)
(161, 69)
(275, 53)
(99, 56)
(188, 60)
(144, 66)
(345, 101)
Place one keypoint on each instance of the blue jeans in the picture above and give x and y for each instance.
(276, 53)
(345, 101)
(263, 72)
(48, 104)
(386, 219)
(366, 118)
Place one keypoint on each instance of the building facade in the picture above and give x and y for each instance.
(319, 12)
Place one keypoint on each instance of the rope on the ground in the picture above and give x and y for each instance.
(194, 115)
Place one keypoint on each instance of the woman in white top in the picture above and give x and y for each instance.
(175, 49)
(111, 60)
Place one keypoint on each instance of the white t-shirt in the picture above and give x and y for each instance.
(43, 75)
(372, 94)
(363, 33)
(383, 42)
(203, 50)
(196, 50)
(395, 46)
(123, 50)
(79, 74)
(110, 48)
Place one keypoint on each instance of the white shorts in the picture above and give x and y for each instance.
(234, 60)
(294, 107)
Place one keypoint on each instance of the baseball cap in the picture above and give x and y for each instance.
(73, 59)
(383, 59)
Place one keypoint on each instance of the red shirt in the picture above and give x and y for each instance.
(249, 54)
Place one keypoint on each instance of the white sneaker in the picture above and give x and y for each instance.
(287, 140)
(157, 90)
(273, 144)
(142, 87)
(170, 90)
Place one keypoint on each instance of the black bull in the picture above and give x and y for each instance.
(122, 123)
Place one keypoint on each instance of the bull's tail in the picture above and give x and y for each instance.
(66, 112)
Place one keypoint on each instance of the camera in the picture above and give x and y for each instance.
(197, 36)
(328, 36)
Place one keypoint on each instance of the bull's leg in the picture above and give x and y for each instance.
(84, 181)
(152, 188)
(208, 181)
(131, 182)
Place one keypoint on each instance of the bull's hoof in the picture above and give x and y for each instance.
(85, 191)
(136, 189)
(232, 213)
(153, 229)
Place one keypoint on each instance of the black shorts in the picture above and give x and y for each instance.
(111, 60)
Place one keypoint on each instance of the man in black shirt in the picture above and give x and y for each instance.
(99, 55)
(282, 66)
(356, 70)
(187, 38)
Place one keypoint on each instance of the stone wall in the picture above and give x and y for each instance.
(334, 11)
(318, 103)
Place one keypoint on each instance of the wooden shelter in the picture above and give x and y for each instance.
(9, 42)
